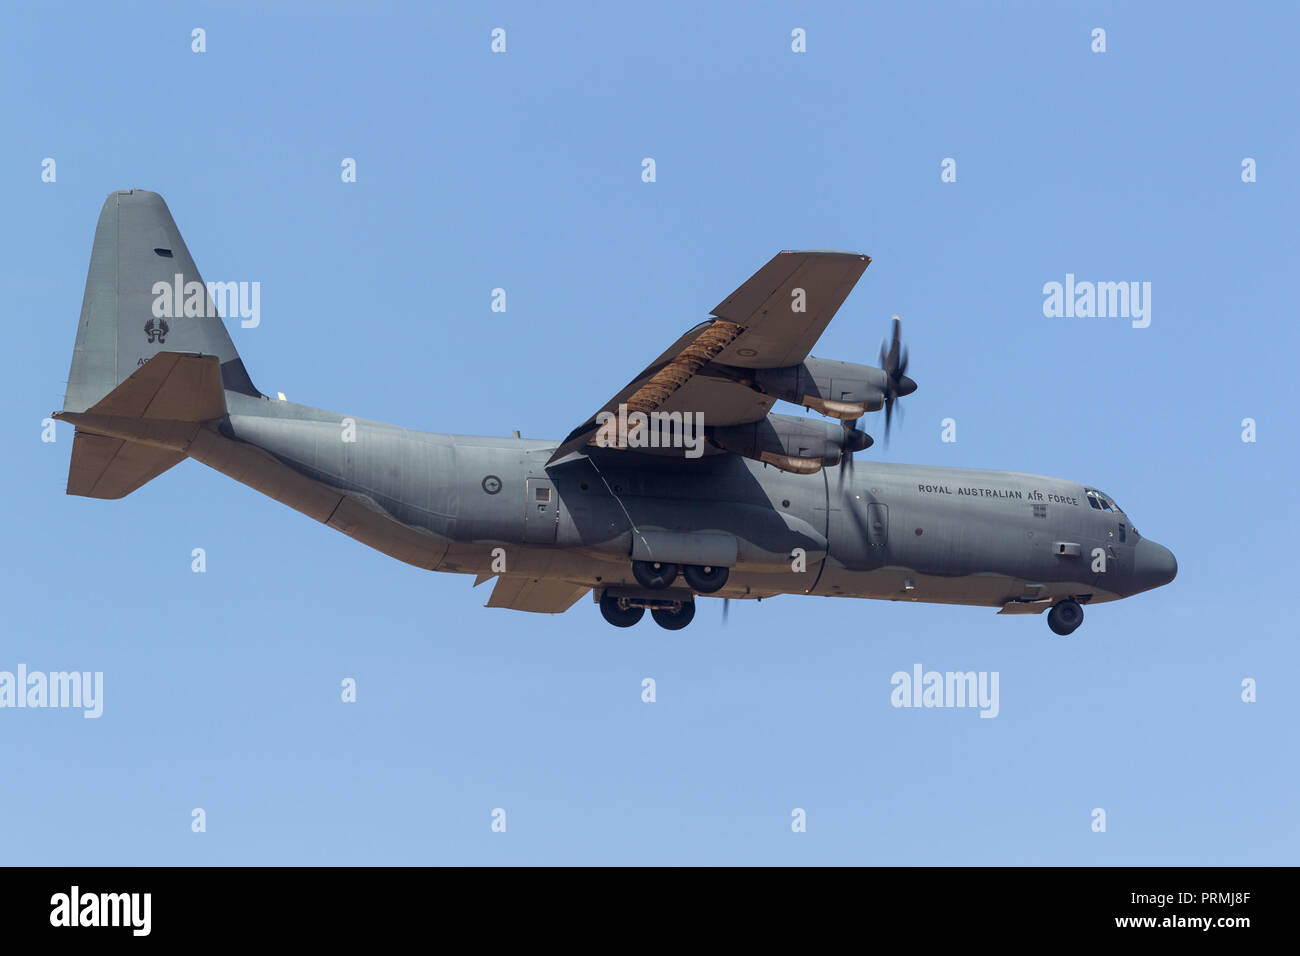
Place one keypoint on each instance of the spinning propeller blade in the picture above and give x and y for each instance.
(893, 360)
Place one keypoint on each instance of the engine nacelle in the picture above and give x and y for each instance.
(799, 445)
(843, 390)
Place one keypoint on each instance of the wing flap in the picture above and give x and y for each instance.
(538, 595)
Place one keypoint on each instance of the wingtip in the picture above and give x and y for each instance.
(826, 252)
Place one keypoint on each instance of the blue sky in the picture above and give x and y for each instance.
(522, 170)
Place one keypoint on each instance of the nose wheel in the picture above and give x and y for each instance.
(1065, 617)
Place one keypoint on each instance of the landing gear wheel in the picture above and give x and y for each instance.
(618, 615)
(1064, 617)
(704, 580)
(674, 620)
(655, 575)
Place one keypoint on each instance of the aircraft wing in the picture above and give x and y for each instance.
(772, 321)
(539, 595)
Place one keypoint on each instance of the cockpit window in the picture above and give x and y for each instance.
(1099, 501)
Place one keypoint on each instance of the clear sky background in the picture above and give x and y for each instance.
(523, 171)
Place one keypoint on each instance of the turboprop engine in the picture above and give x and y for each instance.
(843, 390)
(799, 445)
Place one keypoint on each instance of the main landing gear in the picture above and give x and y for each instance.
(676, 617)
(671, 609)
(1065, 616)
(657, 575)
(672, 614)
(620, 612)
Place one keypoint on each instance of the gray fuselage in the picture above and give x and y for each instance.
(484, 505)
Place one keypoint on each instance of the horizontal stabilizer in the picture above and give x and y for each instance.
(113, 468)
(144, 426)
(171, 386)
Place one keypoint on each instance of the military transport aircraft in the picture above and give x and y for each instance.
(683, 484)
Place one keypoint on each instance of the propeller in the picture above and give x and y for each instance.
(852, 439)
(893, 361)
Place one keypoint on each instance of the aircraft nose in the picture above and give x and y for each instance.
(1154, 565)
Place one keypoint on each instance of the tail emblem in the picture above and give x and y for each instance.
(157, 331)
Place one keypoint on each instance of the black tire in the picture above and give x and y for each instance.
(655, 575)
(674, 620)
(704, 580)
(617, 615)
(1065, 617)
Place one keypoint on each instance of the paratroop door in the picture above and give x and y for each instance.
(541, 511)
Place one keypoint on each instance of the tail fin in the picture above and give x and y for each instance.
(143, 295)
(152, 358)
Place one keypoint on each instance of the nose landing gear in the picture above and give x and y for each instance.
(1064, 617)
